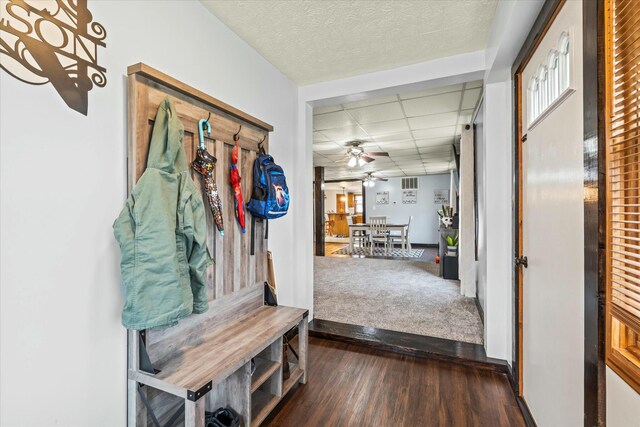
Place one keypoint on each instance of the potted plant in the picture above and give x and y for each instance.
(452, 244)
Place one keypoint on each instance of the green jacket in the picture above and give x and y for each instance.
(162, 234)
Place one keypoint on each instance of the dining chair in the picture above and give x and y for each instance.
(359, 236)
(378, 233)
(397, 237)
(328, 225)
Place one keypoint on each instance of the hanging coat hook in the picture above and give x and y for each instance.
(235, 136)
(202, 126)
(260, 147)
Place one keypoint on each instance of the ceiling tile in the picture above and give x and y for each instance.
(465, 117)
(432, 142)
(431, 91)
(377, 113)
(413, 153)
(435, 160)
(372, 101)
(386, 128)
(328, 147)
(443, 103)
(435, 150)
(397, 145)
(402, 136)
(319, 137)
(338, 119)
(327, 109)
(446, 131)
(345, 133)
(433, 120)
(470, 98)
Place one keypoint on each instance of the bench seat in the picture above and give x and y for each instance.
(192, 370)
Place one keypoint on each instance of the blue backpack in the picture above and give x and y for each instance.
(270, 195)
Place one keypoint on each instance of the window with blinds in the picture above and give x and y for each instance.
(623, 188)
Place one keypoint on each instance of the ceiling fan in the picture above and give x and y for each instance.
(369, 180)
(357, 156)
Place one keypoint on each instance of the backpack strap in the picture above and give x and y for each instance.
(253, 234)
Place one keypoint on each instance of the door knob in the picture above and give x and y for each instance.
(523, 261)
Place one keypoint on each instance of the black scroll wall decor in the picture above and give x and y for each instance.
(53, 41)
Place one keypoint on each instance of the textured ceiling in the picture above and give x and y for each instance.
(315, 41)
(417, 129)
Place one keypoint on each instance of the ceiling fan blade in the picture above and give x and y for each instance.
(378, 154)
(367, 159)
(379, 179)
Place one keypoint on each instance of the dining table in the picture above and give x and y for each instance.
(390, 227)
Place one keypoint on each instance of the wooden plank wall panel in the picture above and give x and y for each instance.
(219, 250)
(232, 223)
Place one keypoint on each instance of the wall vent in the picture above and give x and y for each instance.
(409, 183)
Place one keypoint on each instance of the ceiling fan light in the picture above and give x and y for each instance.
(365, 183)
(371, 183)
(352, 162)
(361, 162)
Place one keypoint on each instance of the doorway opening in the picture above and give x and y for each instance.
(387, 220)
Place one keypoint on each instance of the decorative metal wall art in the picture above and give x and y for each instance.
(53, 41)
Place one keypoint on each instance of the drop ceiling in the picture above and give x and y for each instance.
(417, 129)
(315, 41)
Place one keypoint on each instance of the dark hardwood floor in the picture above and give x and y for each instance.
(442, 349)
(350, 385)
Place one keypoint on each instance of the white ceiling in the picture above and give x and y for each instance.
(417, 129)
(312, 41)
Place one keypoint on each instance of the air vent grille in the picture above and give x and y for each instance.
(409, 183)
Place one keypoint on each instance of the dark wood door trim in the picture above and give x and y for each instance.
(594, 201)
(594, 146)
(318, 220)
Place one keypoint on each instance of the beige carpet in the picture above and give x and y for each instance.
(404, 296)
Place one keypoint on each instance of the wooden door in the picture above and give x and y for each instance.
(551, 224)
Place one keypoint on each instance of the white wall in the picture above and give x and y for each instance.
(481, 264)
(424, 227)
(467, 250)
(622, 402)
(63, 183)
(511, 25)
(498, 315)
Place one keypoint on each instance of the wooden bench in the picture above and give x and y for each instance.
(216, 371)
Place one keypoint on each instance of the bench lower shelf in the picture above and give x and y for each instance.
(294, 377)
(262, 403)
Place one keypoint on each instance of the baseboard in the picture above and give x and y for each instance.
(467, 354)
(424, 245)
(480, 310)
(522, 404)
(526, 412)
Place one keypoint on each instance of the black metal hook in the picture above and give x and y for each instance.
(209, 116)
(235, 136)
(260, 147)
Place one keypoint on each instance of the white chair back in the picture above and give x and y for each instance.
(409, 224)
(378, 225)
(349, 220)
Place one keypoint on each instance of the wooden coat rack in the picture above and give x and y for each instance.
(209, 354)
